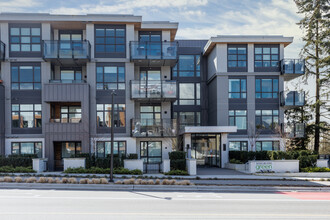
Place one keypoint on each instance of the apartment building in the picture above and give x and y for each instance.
(207, 97)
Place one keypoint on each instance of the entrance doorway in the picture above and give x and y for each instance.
(206, 150)
(65, 150)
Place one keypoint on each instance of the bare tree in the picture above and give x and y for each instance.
(253, 135)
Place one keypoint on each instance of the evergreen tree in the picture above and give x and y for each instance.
(316, 27)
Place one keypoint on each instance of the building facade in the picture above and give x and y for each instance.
(207, 97)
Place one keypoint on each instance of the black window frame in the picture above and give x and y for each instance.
(68, 113)
(196, 122)
(196, 100)
(104, 86)
(274, 93)
(148, 157)
(241, 145)
(237, 68)
(237, 116)
(241, 93)
(34, 83)
(75, 71)
(103, 146)
(273, 145)
(263, 68)
(197, 71)
(34, 148)
(116, 115)
(259, 119)
(19, 116)
(109, 54)
(25, 53)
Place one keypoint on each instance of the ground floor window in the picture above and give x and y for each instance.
(70, 149)
(238, 146)
(151, 151)
(22, 148)
(267, 145)
(104, 148)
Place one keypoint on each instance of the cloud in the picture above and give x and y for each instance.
(18, 5)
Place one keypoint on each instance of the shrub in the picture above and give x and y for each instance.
(17, 160)
(2, 180)
(177, 173)
(132, 157)
(11, 169)
(157, 182)
(96, 181)
(235, 161)
(179, 164)
(18, 179)
(315, 169)
(118, 182)
(104, 181)
(165, 182)
(138, 181)
(64, 180)
(144, 182)
(51, 180)
(184, 183)
(98, 170)
(58, 180)
(150, 182)
(177, 155)
(72, 180)
(8, 179)
(42, 180)
(129, 181)
(83, 181)
(31, 180)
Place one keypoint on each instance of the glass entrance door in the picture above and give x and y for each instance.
(206, 149)
(150, 82)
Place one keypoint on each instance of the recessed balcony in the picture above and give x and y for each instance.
(156, 90)
(153, 128)
(292, 68)
(294, 130)
(292, 99)
(2, 51)
(154, 54)
(67, 53)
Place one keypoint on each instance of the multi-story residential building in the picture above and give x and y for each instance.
(207, 97)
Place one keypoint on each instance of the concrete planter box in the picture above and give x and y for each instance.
(239, 167)
(74, 163)
(166, 166)
(133, 164)
(39, 164)
(277, 166)
(322, 163)
(191, 167)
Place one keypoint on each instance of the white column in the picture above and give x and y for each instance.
(222, 57)
(224, 154)
(129, 37)
(90, 37)
(250, 58)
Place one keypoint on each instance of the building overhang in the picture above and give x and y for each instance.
(208, 129)
(246, 39)
(160, 26)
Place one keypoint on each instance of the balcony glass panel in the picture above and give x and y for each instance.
(293, 98)
(54, 49)
(154, 127)
(295, 130)
(153, 50)
(293, 66)
(153, 89)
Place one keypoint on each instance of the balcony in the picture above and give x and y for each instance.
(292, 99)
(155, 90)
(67, 81)
(67, 53)
(2, 51)
(292, 68)
(294, 130)
(154, 54)
(57, 91)
(142, 128)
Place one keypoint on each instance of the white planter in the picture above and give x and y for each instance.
(322, 163)
(191, 167)
(166, 166)
(239, 167)
(39, 164)
(134, 164)
(277, 166)
(74, 163)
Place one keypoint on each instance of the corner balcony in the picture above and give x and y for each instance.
(158, 91)
(142, 128)
(2, 51)
(67, 53)
(292, 68)
(66, 91)
(154, 54)
(294, 130)
(292, 99)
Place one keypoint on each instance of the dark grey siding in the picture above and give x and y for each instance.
(192, 43)
(2, 120)
(212, 103)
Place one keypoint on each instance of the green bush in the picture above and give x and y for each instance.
(315, 169)
(132, 157)
(98, 170)
(178, 164)
(17, 160)
(177, 155)
(10, 169)
(177, 172)
(307, 161)
(235, 161)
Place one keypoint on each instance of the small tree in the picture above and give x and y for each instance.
(254, 134)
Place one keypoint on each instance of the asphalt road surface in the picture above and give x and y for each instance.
(54, 204)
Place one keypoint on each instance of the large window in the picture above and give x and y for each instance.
(104, 115)
(151, 151)
(188, 66)
(26, 115)
(189, 94)
(238, 146)
(70, 114)
(110, 77)
(188, 118)
(71, 75)
(104, 148)
(237, 88)
(266, 119)
(25, 38)
(266, 56)
(238, 118)
(70, 149)
(267, 145)
(25, 77)
(22, 148)
(110, 40)
(237, 56)
(266, 88)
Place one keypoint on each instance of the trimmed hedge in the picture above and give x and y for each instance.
(132, 157)
(92, 161)
(17, 160)
(98, 170)
(177, 160)
(306, 158)
(177, 155)
(10, 169)
(177, 173)
(315, 169)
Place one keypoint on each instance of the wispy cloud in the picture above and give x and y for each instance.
(18, 5)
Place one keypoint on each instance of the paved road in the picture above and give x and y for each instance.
(51, 204)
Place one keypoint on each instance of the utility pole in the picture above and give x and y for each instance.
(113, 93)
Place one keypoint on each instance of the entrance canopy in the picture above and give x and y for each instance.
(208, 129)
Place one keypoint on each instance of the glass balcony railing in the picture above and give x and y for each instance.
(154, 53)
(55, 49)
(293, 66)
(292, 99)
(65, 120)
(294, 130)
(154, 127)
(2, 50)
(155, 89)
(66, 81)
